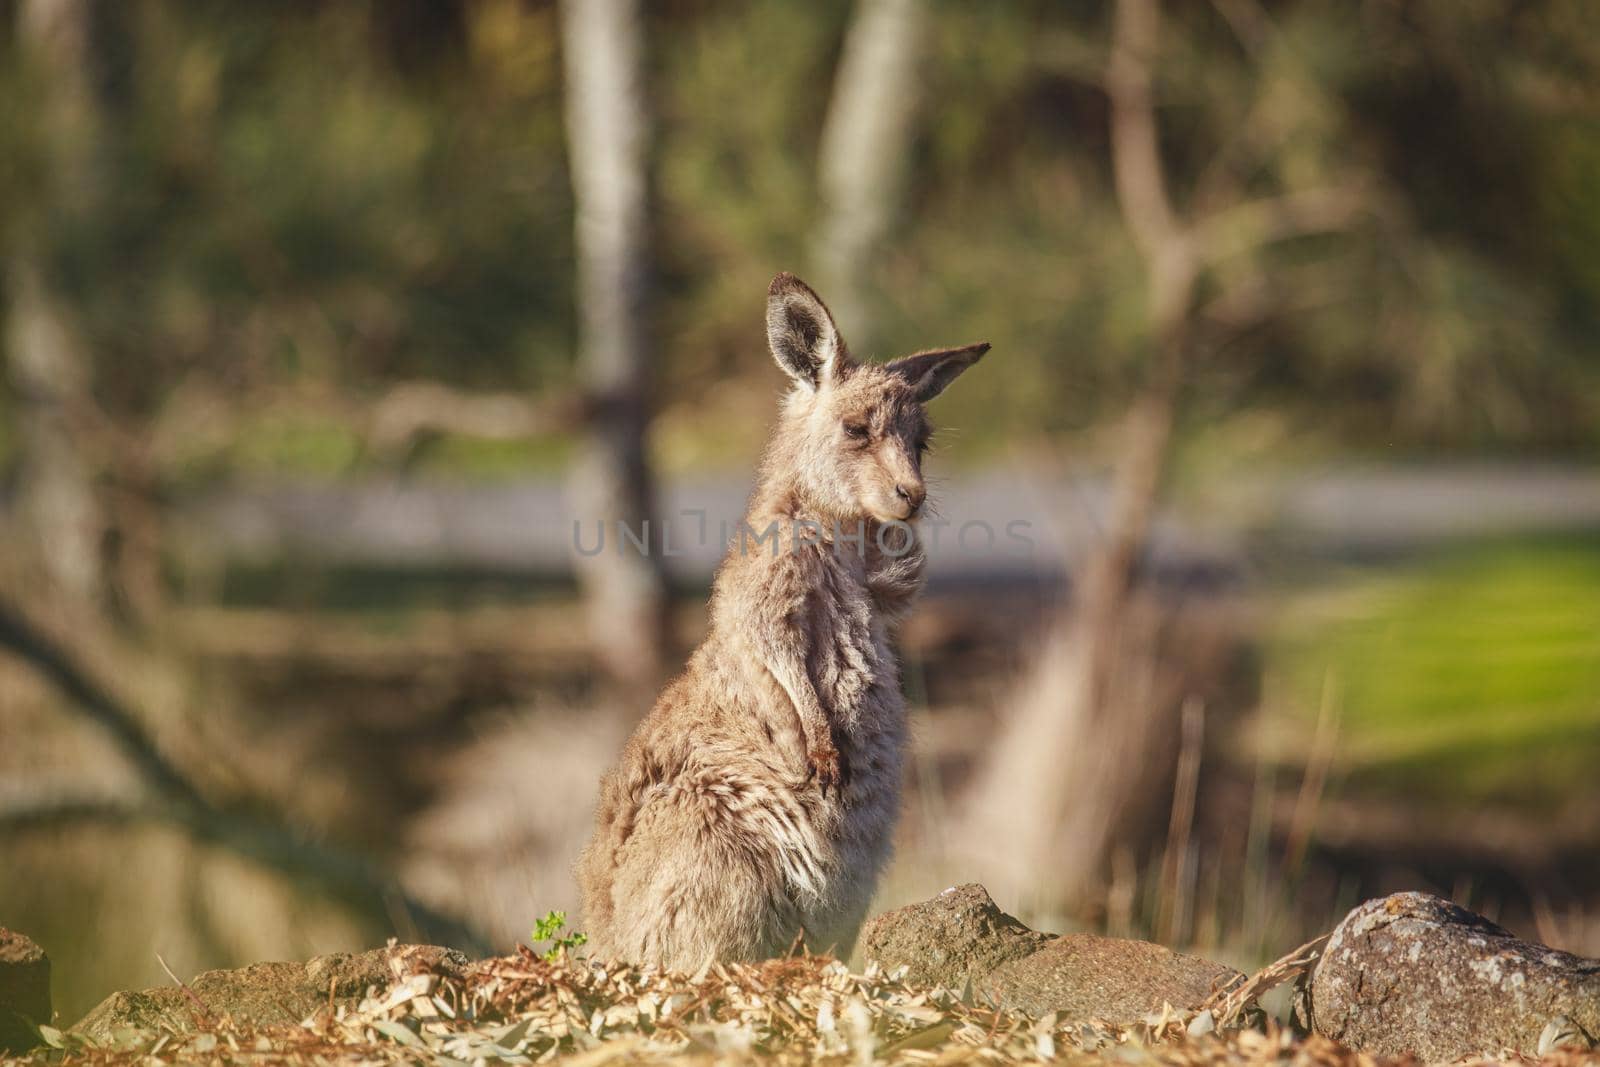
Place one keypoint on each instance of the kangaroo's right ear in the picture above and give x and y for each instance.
(801, 333)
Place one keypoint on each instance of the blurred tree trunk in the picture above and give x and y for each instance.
(48, 373)
(608, 138)
(862, 159)
(56, 499)
(1076, 756)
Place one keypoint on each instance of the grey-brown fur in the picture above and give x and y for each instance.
(755, 803)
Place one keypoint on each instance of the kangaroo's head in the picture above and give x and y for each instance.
(852, 435)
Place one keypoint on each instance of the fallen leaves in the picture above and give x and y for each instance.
(523, 1009)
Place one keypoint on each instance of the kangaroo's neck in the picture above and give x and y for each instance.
(783, 497)
(788, 489)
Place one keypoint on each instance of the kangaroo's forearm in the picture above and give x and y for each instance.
(790, 673)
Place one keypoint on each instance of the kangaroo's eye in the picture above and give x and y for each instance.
(922, 447)
(856, 431)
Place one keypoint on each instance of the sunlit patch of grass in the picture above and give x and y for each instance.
(482, 459)
(294, 444)
(300, 444)
(1473, 676)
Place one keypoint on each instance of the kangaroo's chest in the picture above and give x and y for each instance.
(850, 658)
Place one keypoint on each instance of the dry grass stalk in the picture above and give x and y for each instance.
(1228, 1005)
(1173, 921)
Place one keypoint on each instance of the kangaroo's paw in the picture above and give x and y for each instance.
(828, 768)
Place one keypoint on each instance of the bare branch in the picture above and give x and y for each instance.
(405, 413)
(175, 799)
(1255, 224)
(1065, 700)
(26, 808)
(410, 410)
(51, 660)
(1261, 130)
(1250, 24)
(1253, 295)
(1251, 139)
(1135, 148)
(194, 998)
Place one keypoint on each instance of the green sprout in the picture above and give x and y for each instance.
(548, 929)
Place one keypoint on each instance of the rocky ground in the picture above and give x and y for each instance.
(1408, 978)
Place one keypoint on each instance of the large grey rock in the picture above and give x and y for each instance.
(264, 993)
(24, 991)
(961, 937)
(1412, 974)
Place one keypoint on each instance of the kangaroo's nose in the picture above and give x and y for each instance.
(913, 495)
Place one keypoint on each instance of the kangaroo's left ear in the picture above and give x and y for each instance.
(929, 372)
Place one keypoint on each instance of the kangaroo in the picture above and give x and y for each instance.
(754, 804)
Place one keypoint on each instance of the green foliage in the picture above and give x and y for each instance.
(548, 930)
(281, 198)
(1475, 677)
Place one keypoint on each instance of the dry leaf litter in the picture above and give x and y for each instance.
(523, 1009)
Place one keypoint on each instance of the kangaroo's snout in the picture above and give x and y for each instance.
(913, 495)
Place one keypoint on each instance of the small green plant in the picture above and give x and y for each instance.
(548, 930)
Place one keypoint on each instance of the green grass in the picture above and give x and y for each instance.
(1470, 677)
(309, 444)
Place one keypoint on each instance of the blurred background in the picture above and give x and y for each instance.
(324, 322)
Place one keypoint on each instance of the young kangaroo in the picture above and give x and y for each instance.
(756, 801)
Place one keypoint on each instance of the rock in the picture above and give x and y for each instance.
(1411, 974)
(265, 993)
(24, 991)
(943, 941)
(961, 937)
(1112, 979)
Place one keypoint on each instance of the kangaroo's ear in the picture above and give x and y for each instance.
(801, 333)
(929, 372)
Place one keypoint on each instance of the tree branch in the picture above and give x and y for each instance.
(1135, 148)
(175, 799)
(411, 409)
(51, 660)
(30, 809)
(1037, 763)
(1252, 225)
(1250, 24)
(387, 427)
